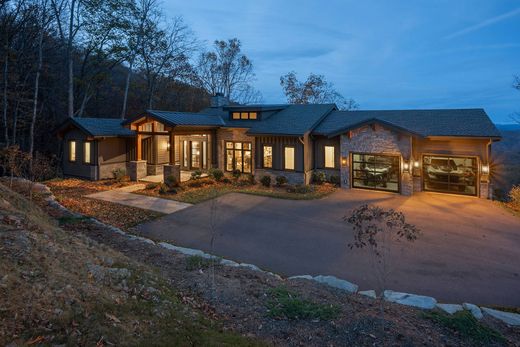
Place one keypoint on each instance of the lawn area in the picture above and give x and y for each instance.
(71, 194)
(198, 190)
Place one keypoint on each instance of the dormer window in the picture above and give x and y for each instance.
(244, 115)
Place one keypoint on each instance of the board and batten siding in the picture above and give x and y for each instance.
(78, 168)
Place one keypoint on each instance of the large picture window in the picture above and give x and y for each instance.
(238, 156)
(268, 157)
(72, 151)
(450, 174)
(372, 171)
(288, 158)
(87, 152)
(329, 157)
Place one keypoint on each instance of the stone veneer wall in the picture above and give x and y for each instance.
(136, 169)
(376, 139)
(107, 170)
(292, 177)
(238, 135)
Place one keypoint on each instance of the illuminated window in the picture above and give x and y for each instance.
(289, 158)
(252, 115)
(329, 157)
(87, 146)
(72, 150)
(236, 115)
(238, 156)
(244, 115)
(268, 156)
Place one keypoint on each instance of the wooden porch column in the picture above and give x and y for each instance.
(138, 147)
(172, 148)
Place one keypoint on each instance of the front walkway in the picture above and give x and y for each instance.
(125, 196)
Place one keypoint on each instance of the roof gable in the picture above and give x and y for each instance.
(98, 127)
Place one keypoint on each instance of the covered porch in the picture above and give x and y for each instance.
(163, 148)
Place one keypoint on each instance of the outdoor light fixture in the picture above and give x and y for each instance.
(406, 166)
(344, 161)
(416, 164)
(168, 146)
(485, 169)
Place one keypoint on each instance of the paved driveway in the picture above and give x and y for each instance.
(469, 249)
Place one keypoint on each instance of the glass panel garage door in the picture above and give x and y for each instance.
(450, 174)
(371, 171)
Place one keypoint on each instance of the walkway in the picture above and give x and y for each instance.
(125, 196)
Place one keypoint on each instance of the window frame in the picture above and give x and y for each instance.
(244, 115)
(263, 155)
(89, 143)
(285, 147)
(333, 157)
(69, 156)
(242, 150)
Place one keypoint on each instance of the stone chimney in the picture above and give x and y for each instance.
(219, 100)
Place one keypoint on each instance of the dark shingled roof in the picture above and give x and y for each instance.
(448, 122)
(101, 126)
(187, 118)
(294, 120)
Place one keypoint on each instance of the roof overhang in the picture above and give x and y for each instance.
(68, 124)
(373, 121)
(445, 137)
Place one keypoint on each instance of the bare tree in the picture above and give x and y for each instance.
(226, 70)
(315, 90)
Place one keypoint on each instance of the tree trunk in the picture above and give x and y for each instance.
(36, 89)
(127, 85)
(4, 113)
(71, 62)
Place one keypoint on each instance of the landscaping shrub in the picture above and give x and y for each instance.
(335, 179)
(152, 185)
(300, 189)
(226, 180)
(319, 177)
(284, 304)
(281, 180)
(171, 182)
(266, 181)
(195, 175)
(514, 196)
(251, 179)
(236, 174)
(216, 174)
(199, 183)
(119, 174)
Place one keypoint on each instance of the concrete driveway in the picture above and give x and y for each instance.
(469, 250)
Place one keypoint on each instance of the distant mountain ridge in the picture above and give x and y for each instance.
(508, 127)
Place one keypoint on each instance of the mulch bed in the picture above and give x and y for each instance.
(71, 194)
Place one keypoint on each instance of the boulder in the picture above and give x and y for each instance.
(370, 293)
(474, 309)
(420, 301)
(506, 317)
(337, 283)
(450, 308)
(304, 277)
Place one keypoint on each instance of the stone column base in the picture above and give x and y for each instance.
(136, 169)
(485, 191)
(153, 170)
(172, 170)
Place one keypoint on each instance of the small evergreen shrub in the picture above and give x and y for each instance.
(226, 180)
(119, 174)
(266, 181)
(216, 174)
(281, 180)
(236, 173)
(195, 175)
(335, 179)
(300, 189)
(151, 186)
(319, 177)
(171, 182)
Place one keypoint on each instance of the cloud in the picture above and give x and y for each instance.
(483, 24)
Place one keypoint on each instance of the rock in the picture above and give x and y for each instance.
(474, 309)
(450, 308)
(228, 262)
(420, 301)
(250, 266)
(370, 293)
(305, 277)
(506, 317)
(337, 283)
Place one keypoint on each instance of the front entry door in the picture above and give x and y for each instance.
(194, 155)
(196, 149)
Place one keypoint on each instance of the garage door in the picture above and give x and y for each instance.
(374, 171)
(450, 174)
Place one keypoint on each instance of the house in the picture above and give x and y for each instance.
(401, 151)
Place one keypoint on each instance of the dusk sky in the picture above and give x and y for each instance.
(384, 54)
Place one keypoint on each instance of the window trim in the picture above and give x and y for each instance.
(285, 158)
(333, 157)
(69, 156)
(242, 150)
(263, 155)
(89, 162)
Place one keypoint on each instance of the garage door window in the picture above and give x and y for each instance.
(380, 172)
(450, 174)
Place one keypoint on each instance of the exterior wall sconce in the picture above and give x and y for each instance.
(416, 164)
(168, 146)
(406, 167)
(344, 161)
(485, 169)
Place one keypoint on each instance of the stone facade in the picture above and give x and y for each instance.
(485, 191)
(107, 170)
(292, 177)
(152, 169)
(136, 169)
(172, 170)
(233, 134)
(376, 139)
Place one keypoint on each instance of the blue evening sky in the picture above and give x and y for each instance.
(384, 54)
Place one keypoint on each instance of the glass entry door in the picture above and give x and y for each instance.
(194, 154)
